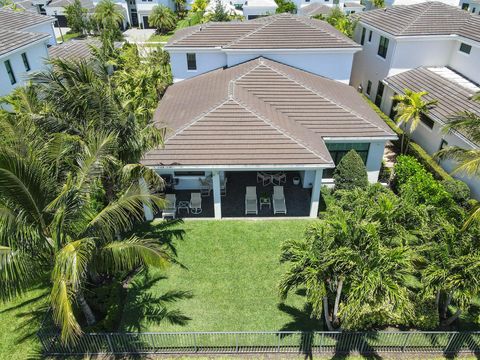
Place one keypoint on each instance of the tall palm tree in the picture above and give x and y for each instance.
(162, 18)
(467, 160)
(109, 17)
(50, 223)
(410, 108)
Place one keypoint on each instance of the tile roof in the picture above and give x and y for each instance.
(428, 18)
(314, 9)
(271, 32)
(11, 40)
(452, 94)
(87, 4)
(260, 112)
(73, 49)
(21, 20)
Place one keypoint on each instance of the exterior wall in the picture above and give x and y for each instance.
(46, 28)
(35, 55)
(466, 64)
(206, 61)
(337, 66)
(250, 12)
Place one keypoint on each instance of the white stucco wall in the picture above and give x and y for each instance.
(331, 64)
(249, 11)
(35, 53)
(206, 61)
(466, 64)
(46, 28)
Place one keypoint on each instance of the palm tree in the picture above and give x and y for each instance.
(162, 18)
(108, 17)
(410, 109)
(52, 222)
(468, 160)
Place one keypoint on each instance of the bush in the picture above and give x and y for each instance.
(350, 172)
(405, 167)
(459, 191)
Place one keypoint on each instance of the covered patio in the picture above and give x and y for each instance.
(297, 198)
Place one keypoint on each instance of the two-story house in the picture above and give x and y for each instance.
(429, 46)
(24, 37)
(254, 106)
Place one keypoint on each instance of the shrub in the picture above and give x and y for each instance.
(350, 172)
(405, 167)
(458, 189)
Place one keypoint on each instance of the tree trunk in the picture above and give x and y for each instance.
(437, 300)
(337, 302)
(87, 311)
(445, 306)
(326, 314)
(452, 318)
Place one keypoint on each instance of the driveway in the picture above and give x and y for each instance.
(138, 35)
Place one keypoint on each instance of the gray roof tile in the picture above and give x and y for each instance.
(11, 40)
(314, 9)
(259, 112)
(20, 20)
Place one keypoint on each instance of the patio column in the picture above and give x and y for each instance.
(317, 183)
(217, 197)
(147, 210)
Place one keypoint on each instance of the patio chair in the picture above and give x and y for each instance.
(251, 200)
(279, 179)
(196, 203)
(263, 178)
(278, 197)
(205, 187)
(171, 206)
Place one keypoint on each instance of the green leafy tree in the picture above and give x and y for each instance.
(410, 109)
(350, 172)
(108, 17)
(342, 22)
(77, 17)
(285, 6)
(199, 5)
(162, 18)
(219, 13)
(180, 7)
(379, 3)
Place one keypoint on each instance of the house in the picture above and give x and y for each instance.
(314, 9)
(472, 6)
(389, 3)
(56, 8)
(429, 46)
(237, 121)
(24, 38)
(316, 47)
(253, 9)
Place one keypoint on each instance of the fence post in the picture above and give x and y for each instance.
(405, 342)
(449, 342)
(278, 342)
(195, 342)
(236, 342)
(110, 345)
(320, 346)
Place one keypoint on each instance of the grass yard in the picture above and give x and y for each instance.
(69, 36)
(160, 38)
(233, 272)
(19, 321)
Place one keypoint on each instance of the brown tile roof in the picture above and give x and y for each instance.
(429, 18)
(314, 9)
(284, 31)
(259, 113)
(452, 97)
(12, 40)
(20, 20)
(75, 49)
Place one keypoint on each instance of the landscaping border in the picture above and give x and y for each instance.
(293, 342)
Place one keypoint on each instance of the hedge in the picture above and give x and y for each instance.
(413, 149)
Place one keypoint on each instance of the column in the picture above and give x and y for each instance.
(317, 183)
(217, 198)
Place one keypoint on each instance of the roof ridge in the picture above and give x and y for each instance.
(306, 21)
(199, 28)
(324, 96)
(250, 33)
(427, 6)
(278, 128)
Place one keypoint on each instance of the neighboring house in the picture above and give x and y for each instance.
(315, 46)
(472, 6)
(253, 9)
(314, 9)
(389, 3)
(56, 8)
(24, 37)
(432, 47)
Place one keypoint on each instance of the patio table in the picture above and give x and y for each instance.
(265, 202)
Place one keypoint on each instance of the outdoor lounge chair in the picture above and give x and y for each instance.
(195, 203)
(251, 200)
(279, 206)
(170, 207)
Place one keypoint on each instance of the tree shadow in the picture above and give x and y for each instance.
(144, 308)
(461, 342)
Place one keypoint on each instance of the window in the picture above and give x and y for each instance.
(378, 97)
(307, 0)
(369, 87)
(393, 110)
(473, 10)
(465, 6)
(25, 62)
(383, 47)
(443, 144)
(427, 121)
(338, 151)
(189, 173)
(362, 40)
(465, 48)
(191, 61)
(370, 36)
(11, 75)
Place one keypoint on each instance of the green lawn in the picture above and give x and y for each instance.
(68, 36)
(233, 272)
(19, 320)
(160, 38)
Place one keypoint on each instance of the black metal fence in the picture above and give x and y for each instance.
(264, 342)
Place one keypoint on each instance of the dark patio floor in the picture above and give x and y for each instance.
(297, 199)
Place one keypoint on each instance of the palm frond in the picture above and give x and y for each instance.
(62, 299)
(468, 159)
